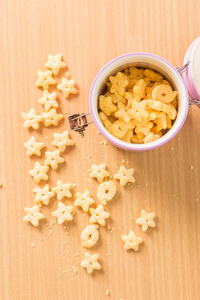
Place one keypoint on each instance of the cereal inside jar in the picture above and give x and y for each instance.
(138, 105)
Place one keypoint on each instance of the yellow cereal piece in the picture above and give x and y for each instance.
(169, 122)
(138, 110)
(131, 241)
(104, 119)
(48, 100)
(125, 175)
(143, 128)
(139, 89)
(151, 137)
(112, 118)
(31, 119)
(51, 118)
(99, 172)
(148, 92)
(64, 213)
(119, 83)
(84, 200)
(166, 108)
(63, 189)
(146, 220)
(98, 215)
(153, 75)
(106, 105)
(129, 97)
(118, 129)
(89, 235)
(62, 140)
(33, 215)
(39, 172)
(161, 121)
(53, 159)
(45, 79)
(163, 93)
(116, 98)
(136, 73)
(43, 195)
(67, 86)
(55, 63)
(90, 262)
(175, 103)
(33, 147)
(136, 140)
(106, 191)
(128, 136)
(123, 115)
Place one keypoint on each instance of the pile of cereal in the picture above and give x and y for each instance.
(138, 106)
(84, 201)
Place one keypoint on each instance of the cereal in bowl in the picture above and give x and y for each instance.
(138, 105)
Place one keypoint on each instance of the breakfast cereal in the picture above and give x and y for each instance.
(62, 140)
(39, 172)
(64, 213)
(131, 241)
(62, 189)
(90, 262)
(33, 215)
(125, 175)
(45, 79)
(51, 117)
(99, 172)
(33, 147)
(53, 159)
(98, 215)
(55, 63)
(43, 195)
(67, 86)
(146, 220)
(83, 200)
(31, 119)
(106, 191)
(48, 100)
(89, 235)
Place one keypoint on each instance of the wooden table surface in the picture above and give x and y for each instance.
(89, 34)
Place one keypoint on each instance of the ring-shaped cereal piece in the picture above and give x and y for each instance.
(163, 93)
(90, 236)
(106, 191)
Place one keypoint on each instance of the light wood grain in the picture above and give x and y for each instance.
(90, 33)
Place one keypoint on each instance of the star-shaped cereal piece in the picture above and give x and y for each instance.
(45, 79)
(98, 215)
(53, 159)
(31, 119)
(39, 172)
(125, 175)
(99, 172)
(33, 147)
(90, 262)
(146, 220)
(131, 241)
(119, 83)
(83, 200)
(55, 63)
(43, 195)
(64, 213)
(48, 100)
(33, 215)
(67, 86)
(62, 140)
(51, 117)
(63, 189)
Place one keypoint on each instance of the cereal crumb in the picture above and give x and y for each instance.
(191, 167)
(59, 274)
(74, 270)
(172, 148)
(77, 254)
(1, 184)
(107, 292)
(32, 245)
(98, 132)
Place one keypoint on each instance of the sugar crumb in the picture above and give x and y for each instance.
(107, 292)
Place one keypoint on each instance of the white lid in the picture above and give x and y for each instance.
(192, 73)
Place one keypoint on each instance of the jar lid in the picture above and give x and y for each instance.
(191, 74)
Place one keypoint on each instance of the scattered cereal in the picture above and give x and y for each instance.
(67, 87)
(62, 140)
(89, 236)
(83, 200)
(55, 63)
(131, 241)
(39, 172)
(63, 189)
(64, 213)
(43, 195)
(51, 117)
(106, 191)
(90, 262)
(99, 172)
(33, 147)
(53, 159)
(48, 100)
(125, 175)
(146, 220)
(33, 215)
(45, 79)
(31, 119)
(98, 215)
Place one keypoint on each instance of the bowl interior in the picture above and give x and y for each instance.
(145, 61)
